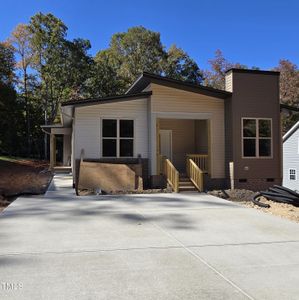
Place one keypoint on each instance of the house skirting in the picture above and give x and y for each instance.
(256, 184)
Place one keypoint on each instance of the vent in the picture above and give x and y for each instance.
(270, 179)
(242, 180)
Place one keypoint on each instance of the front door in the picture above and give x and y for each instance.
(166, 143)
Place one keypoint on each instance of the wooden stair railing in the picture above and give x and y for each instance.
(195, 174)
(172, 175)
(201, 160)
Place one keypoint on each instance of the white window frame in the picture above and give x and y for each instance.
(117, 138)
(293, 174)
(257, 138)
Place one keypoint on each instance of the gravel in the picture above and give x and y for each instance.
(244, 197)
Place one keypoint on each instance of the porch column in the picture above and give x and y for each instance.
(153, 145)
(52, 150)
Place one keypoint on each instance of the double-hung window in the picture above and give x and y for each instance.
(117, 138)
(292, 174)
(257, 137)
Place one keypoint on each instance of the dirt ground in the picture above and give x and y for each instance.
(20, 176)
(244, 197)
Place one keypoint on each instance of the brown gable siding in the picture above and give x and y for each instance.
(256, 95)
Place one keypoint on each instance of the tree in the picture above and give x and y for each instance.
(48, 34)
(20, 40)
(137, 50)
(133, 52)
(289, 82)
(62, 66)
(77, 68)
(7, 63)
(104, 79)
(215, 77)
(289, 91)
(178, 65)
(11, 118)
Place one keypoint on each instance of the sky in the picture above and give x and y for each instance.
(252, 32)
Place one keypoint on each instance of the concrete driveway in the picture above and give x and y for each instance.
(162, 246)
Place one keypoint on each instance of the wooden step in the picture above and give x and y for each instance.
(187, 188)
(184, 179)
(62, 169)
(185, 183)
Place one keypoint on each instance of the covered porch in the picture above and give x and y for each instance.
(183, 150)
(60, 146)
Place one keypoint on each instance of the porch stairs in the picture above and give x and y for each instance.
(62, 170)
(180, 182)
(185, 184)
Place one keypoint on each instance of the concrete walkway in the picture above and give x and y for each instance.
(162, 246)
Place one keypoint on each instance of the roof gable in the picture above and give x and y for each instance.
(291, 132)
(146, 78)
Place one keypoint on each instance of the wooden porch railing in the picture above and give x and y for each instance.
(195, 174)
(201, 160)
(172, 175)
(166, 168)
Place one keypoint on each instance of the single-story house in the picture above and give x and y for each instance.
(291, 158)
(178, 130)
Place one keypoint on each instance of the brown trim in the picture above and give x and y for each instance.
(110, 99)
(146, 78)
(236, 70)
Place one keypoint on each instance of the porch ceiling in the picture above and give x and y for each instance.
(57, 129)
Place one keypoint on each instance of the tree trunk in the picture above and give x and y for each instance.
(27, 114)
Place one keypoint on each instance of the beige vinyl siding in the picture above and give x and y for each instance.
(88, 124)
(229, 82)
(174, 101)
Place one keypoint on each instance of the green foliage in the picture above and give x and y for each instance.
(50, 69)
(7, 62)
(133, 52)
(62, 66)
(11, 121)
(137, 50)
(76, 68)
(11, 117)
(104, 79)
(178, 65)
